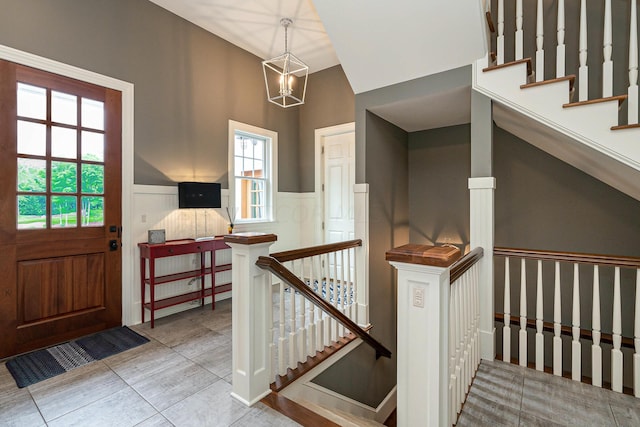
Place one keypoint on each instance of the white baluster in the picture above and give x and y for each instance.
(282, 362)
(467, 330)
(460, 349)
(319, 314)
(456, 333)
(616, 353)
(336, 294)
(519, 32)
(596, 350)
(636, 341)
(354, 280)
(632, 99)
(293, 332)
(583, 71)
(557, 324)
(476, 300)
(311, 348)
(302, 324)
(500, 37)
(560, 49)
(576, 349)
(326, 285)
(607, 66)
(506, 329)
(452, 354)
(539, 322)
(540, 43)
(522, 336)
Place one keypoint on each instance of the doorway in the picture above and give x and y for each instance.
(70, 236)
(335, 178)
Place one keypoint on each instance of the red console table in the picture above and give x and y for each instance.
(150, 252)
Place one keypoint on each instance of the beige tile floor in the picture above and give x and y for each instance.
(182, 377)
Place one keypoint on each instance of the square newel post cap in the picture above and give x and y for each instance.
(437, 256)
(250, 238)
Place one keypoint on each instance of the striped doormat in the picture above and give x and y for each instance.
(30, 368)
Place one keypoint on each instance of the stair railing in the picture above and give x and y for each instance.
(608, 278)
(316, 302)
(524, 37)
(438, 331)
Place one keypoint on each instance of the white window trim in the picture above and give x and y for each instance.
(272, 154)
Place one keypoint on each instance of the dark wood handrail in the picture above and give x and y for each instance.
(565, 330)
(315, 250)
(274, 266)
(465, 263)
(621, 261)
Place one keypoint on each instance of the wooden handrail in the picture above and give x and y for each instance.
(315, 250)
(565, 330)
(274, 266)
(465, 263)
(621, 261)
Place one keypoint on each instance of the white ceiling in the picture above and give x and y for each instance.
(254, 25)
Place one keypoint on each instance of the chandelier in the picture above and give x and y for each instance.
(285, 76)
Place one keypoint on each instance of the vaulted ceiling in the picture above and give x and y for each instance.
(377, 42)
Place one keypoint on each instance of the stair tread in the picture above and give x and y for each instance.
(509, 64)
(282, 381)
(619, 98)
(571, 78)
(621, 127)
(295, 411)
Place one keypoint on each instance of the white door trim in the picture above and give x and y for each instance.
(321, 133)
(127, 89)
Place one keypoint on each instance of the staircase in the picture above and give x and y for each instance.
(586, 133)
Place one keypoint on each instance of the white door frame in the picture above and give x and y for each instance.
(319, 135)
(128, 247)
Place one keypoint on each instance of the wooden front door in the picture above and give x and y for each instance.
(60, 208)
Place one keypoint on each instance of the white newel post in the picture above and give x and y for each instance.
(482, 234)
(251, 316)
(361, 225)
(423, 333)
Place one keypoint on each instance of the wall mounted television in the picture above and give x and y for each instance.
(199, 195)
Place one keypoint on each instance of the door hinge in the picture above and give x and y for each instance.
(322, 150)
(323, 225)
(322, 187)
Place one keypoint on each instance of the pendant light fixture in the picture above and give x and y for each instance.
(285, 76)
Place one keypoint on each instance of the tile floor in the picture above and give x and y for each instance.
(508, 395)
(182, 377)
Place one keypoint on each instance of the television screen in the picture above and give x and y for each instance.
(199, 195)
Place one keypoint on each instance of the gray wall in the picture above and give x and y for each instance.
(330, 102)
(188, 82)
(439, 169)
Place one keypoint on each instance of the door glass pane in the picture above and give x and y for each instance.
(92, 211)
(92, 179)
(32, 212)
(32, 175)
(32, 101)
(93, 146)
(63, 211)
(64, 108)
(63, 143)
(64, 177)
(32, 138)
(92, 114)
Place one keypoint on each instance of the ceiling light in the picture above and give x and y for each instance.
(285, 76)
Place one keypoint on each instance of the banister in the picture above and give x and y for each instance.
(275, 267)
(315, 250)
(581, 258)
(465, 263)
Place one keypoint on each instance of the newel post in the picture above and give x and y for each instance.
(423, 333)
(251, 316)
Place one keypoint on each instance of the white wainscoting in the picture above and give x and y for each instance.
(156, 207)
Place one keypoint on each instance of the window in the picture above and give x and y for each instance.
(252, 164)
(60, 155)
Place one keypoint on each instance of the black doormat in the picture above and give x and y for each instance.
(39, 365)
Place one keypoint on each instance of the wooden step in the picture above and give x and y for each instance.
(296, 412)
(509, 64)
(622, 127)
(619, 98)
(293, 374)
(571, 78)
